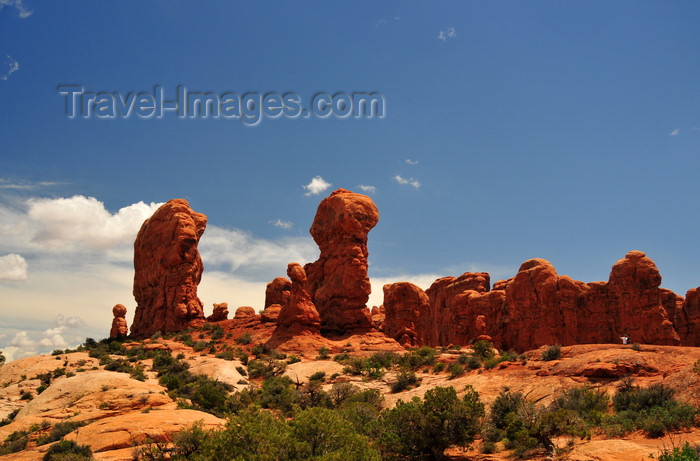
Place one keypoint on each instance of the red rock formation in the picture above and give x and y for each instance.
(244, 312)
(277, 292)
(220, 313)
(688, 319)
(119, 326)
(299, 316)
(539, 307)
(270, 314)
(405, 305)
(338, 281)
(168, 269)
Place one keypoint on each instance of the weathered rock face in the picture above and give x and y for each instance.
(119, 326)
(270, 314)
(688, 319)
(404, 304)
(168, 269)
(244, 312)
(299, 316)
(539, 307)
(278, 292)
(220, 313)
(338, 281)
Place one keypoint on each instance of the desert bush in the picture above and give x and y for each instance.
(589, 404)
(323, 353)
(226, 355)
(423, 356)
(318, 376)
(439, 367)
(456, 370)
(17, 441)
(199, 346)
(244, 339)
(265, 368)
(686, 452)
(405, 379)
(483, 349)
(293, 359)
(279, 393)
(58, 431)
(552, 352)
(67, 450)
(424, 429)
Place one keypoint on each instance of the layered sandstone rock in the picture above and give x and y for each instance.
(338, 282)
(277, 292)
(539, 307)
(119, 326)
(270, 314)
(220, 313)
(688, 319)
(168, 269)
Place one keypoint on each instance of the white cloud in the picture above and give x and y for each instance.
(316, 186)
(24, 185)
(13, 267)
(407, 181)
(447, 33)
(85, 221)
(69, 322)
(411, 162)
(675, 132)
(282, 224)
(22, 10)
(14, 67)
(384, 22)
(367, 189)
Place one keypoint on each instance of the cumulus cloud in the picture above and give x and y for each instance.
(85, 221)
(233, 249)
(13, 67)
(67, 322)
(675, 132)
(407, 181)
(22, 10)
(367, 189)
(447, 33)
(316, 186)
(282, 224)
(411, 162)
(13, 268)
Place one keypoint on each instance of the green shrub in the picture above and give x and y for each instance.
(244, 339)
(483, 349)
(589, 404)
(318, 376)
(456, 370)
(293, 359)
(226, 355)
(17, 441)
(58, 431)
(439, 367)
(199, 346)
(265, 368)
(424, 429)
(342, 357)
(67, 450)
(686, 452)
(552, 352)
(405, 379)
(279, 393)
(323, 353)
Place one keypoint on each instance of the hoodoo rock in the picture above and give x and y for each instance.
(538, 307)
(338, 282)
(270, 314)
(119, 326)
(168, 269)
(299, 316)
(277, 292)
(220, 313)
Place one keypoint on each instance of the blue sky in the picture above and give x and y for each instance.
(556, 129)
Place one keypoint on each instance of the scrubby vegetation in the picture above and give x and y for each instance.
(552, 352)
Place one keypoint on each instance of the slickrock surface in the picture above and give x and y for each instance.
(168, 269)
